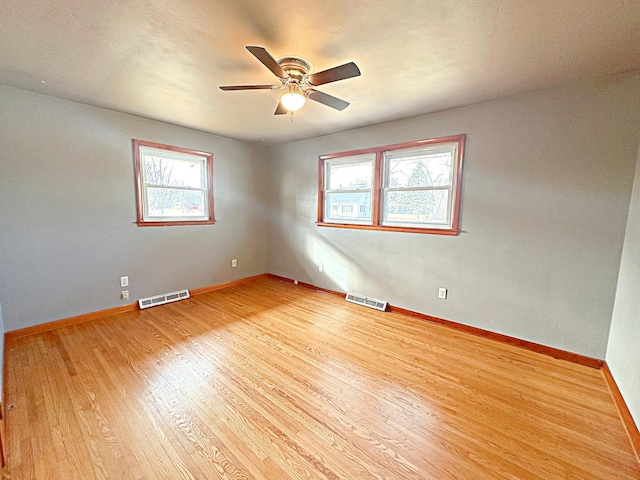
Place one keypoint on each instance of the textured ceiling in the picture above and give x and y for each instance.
(164, 59)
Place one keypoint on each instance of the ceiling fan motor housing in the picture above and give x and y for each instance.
(295, 67)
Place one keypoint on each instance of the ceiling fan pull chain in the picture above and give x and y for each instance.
(291, 117)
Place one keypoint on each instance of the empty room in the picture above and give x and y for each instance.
(320, 240)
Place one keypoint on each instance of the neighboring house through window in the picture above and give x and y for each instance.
(412, 187)
(348, 188)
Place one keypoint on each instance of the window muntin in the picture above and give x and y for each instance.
(415, 187)
(348, 189)
(174, 185)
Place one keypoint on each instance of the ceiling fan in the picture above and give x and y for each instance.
(297, 81)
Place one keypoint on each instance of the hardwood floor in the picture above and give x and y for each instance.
(270, 381)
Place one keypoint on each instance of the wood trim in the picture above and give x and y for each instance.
(212, 214)
(377, 189)
(623, 410)
(387, 228)
(168, 224)
(536, 347)
(87, 317)
(3, 425)
(499, 337)
(376, 214)
(396, 146)
(212, 288)
(138, 180)
(305, 285)
(479, 332)
(455, 220)
(138, 184)
(320, 190)
(2, 442)
(66, 322)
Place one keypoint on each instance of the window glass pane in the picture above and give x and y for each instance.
(416, 207)
(350, 176)
(348, 206)
(420, 170)
(172, 202)
(172, 172)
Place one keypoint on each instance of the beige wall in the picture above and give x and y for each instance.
(623, 353)
(67, 211)
(546, 189)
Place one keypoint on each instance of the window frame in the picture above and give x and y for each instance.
(344, 160)
(209, 219)
(379, 187)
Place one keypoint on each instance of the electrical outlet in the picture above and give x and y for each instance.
(234, 263)
(321, 268)
(442, 293)
(124, 295)
(124, 281)
(295, 282)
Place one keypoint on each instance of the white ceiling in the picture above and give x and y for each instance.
(164, 59)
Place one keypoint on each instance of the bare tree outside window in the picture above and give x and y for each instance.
(181, 201)
(418, 188)
(174, 185)
(407, 187)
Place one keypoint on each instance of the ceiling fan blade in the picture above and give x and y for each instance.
(326, 99)
(280, 110)
(268, 61)
(228, 88)
(342, 72)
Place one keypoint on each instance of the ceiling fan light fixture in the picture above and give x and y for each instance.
(292, 100)
(294, 75)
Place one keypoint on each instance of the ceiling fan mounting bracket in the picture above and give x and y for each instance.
(297, 68)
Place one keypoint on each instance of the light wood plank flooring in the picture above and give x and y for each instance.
(267, 380)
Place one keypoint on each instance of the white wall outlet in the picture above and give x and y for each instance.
(124, 295)
(124, 281)
(295, 282)
(321, 268)
(442, 293)
(234, 263)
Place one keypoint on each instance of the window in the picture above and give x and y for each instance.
(409, 187)
(174, 185)
(349, 185)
